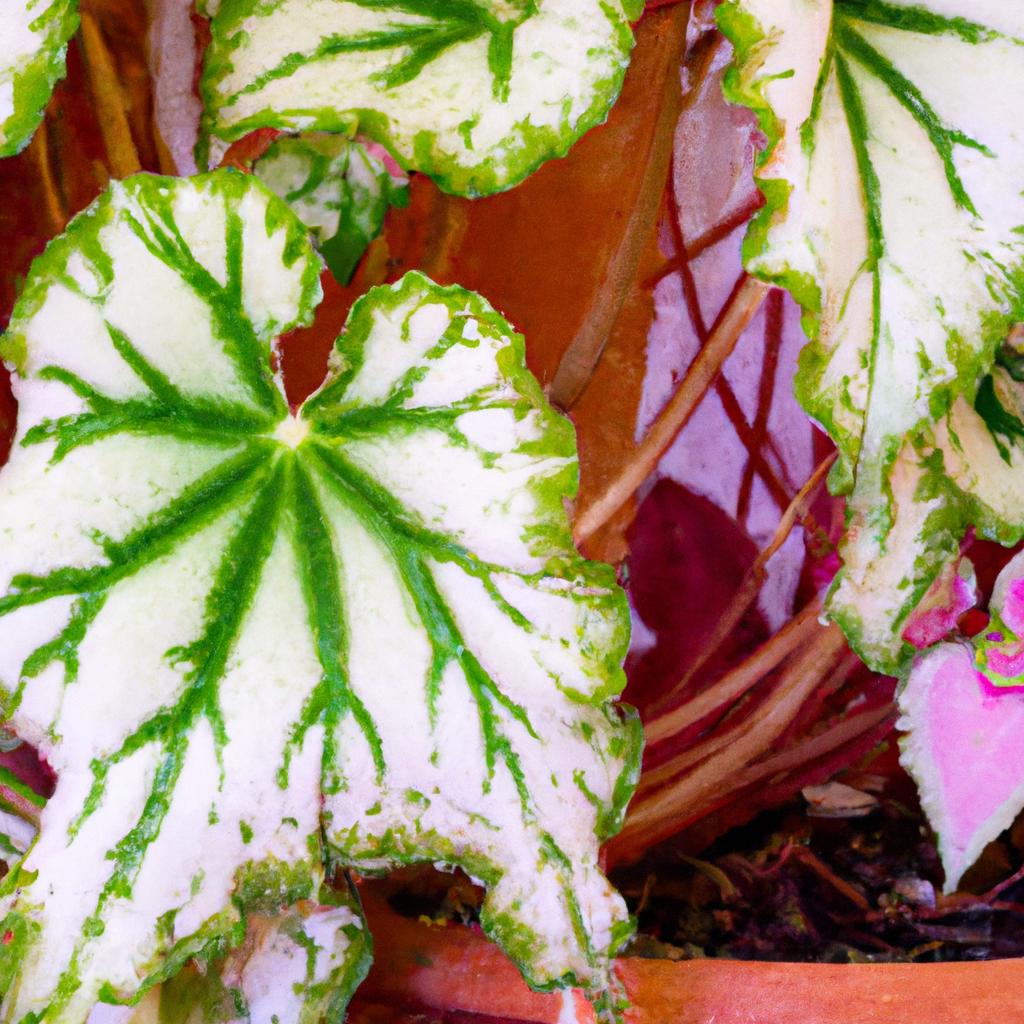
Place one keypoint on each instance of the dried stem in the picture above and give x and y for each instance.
(658, 814)
(584, 351)
(735, 317)
(813, 749)
(1004, 885)
(109, 101)
(798, 631)
(53, 200)
(723, 737)
(810, 860)
(746, 595)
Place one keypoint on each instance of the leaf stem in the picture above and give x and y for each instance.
(734, 684)
(746, 594)
(53, 201)
(817, 747)
(658, 814)
(109, 100)
(733, 320)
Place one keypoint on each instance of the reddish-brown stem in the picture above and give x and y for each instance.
(813, 749)
(755, 442)
(732, 686)
(797, 511)
(810, 860)
(707, 239)
(777, 490)
(772, 342)
(659, 814)
(733, 726)
(733, 320)
(109, 101)
(39, 152)
(1003, 885)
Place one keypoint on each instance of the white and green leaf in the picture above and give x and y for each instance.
(337, 189)
(252, 642)
(894, 177)
(33, 42)
(475, 93)
(301, 966)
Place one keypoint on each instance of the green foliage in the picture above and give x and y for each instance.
(255, 642)
(33, 44)
(475, 93)
(894, 198)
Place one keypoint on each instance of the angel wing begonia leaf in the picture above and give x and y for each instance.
(963, 709)
(251, 643)
(33, 41)
(475, 93)
(337, 189)
(894, 178)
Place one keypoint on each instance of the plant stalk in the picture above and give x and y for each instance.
(746, 595)
(109, 100)
(702, 372)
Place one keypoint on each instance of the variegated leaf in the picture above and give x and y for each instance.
(895, 184)
(252, 642)
(963, 710)
(476, 93)
(339, 190)
(33, 40)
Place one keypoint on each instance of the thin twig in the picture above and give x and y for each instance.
(53, 200)
(746, 594)
(734, 684)
(663, 812)
(733, 320)
(108, 100)
(822, 744)
(584, 351)
(809, 859)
